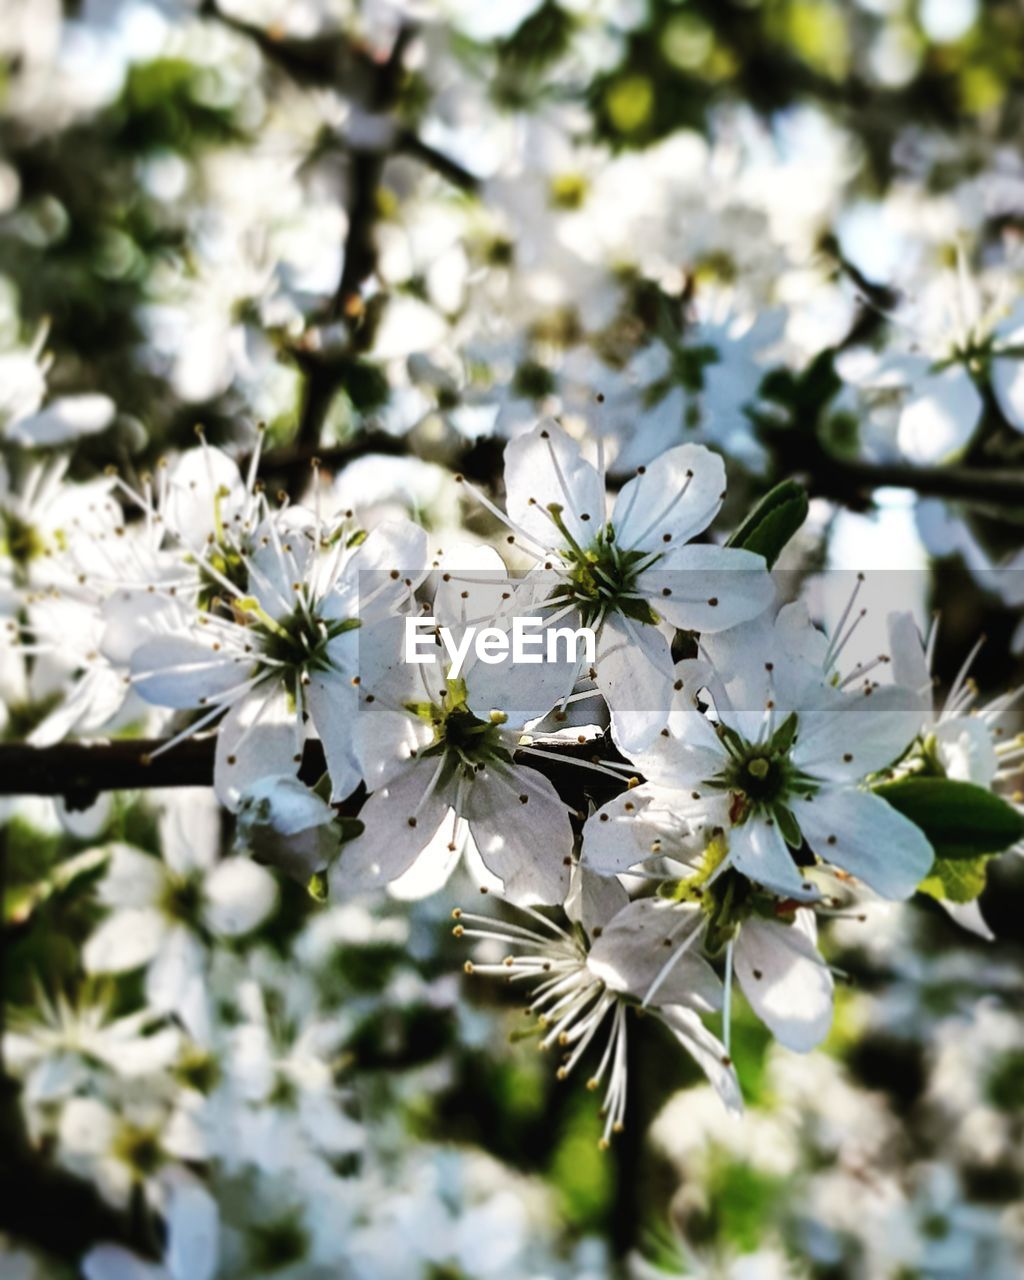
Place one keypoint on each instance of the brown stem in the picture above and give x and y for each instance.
(80, 771)
(843, 480)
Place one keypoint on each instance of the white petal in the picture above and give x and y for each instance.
(178, 967)
(63, 421)
(394, 546)
(238, 895)
(124, 941)
(398, 824)
(285, 548)
(192, 1228)
(940, 416)
(690, 754)
(133, 878)
(196, 480)
(593, 898)
(177, 671)
(132, 616)
(287, 805)
(258, 738)
(87, 823)
(967, 750)
(1007, 377)
(142, 1055)
(86, 1128)
(909, 660)
(866, 836)
(635, 945)
(544, 467)
(190, 829)
(55, 1078)
(478, 571)
(707, 1051)
(736, 581)
(112, 1262)
(622, 832)
(679, 494)
(433, 866)
(522, 831)
(844, 737)
(968, 916)
(333, 703)
(635, 674)
(788, 984)
(760, 853)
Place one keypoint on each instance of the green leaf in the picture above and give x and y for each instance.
(961, 820)
(772, 523)
(956, 879)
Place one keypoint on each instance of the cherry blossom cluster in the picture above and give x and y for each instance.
(757, 782)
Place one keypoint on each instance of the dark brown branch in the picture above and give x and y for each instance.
(479, 460)
(851, 481)
(80, 771)
(843, 480)
(382, 84)
(411, 144)
(985, 487)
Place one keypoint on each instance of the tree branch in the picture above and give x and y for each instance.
(843, 480)
(411, 144)
(81, 771)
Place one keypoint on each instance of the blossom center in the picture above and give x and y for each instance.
(762, 778)
(459, 735)
(19, 539)
(297, 642)
(602, 577)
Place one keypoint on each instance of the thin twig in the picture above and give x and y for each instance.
(81, 771)
(844, 480)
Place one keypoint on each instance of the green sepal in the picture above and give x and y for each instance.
(349, 828)
(784, 736)
(788, 826)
